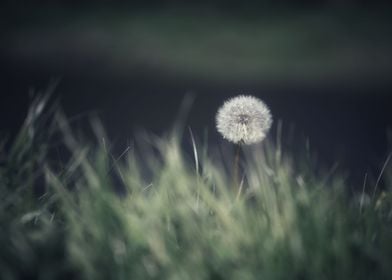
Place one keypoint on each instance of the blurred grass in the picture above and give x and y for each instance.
(149, 215)
(293, 46)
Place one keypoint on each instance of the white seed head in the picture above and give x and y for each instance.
(243, 120)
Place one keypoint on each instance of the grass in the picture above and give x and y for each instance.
(157, 212)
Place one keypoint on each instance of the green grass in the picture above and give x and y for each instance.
(173, 219)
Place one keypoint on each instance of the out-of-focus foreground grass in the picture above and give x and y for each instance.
(154, 214)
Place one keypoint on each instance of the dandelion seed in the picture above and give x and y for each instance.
(244, 120)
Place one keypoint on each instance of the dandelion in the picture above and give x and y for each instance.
(244, 120)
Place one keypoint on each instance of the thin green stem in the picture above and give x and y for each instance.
(236, 169)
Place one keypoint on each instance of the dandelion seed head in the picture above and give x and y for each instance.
(244, 120)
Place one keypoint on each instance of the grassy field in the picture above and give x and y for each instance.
(157, 212)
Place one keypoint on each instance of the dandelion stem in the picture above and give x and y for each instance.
(236, 169)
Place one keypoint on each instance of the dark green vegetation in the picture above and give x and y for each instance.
(308, 46)
(153, 213)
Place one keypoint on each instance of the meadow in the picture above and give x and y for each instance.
(70, 209)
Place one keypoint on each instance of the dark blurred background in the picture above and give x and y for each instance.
(324, 67)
